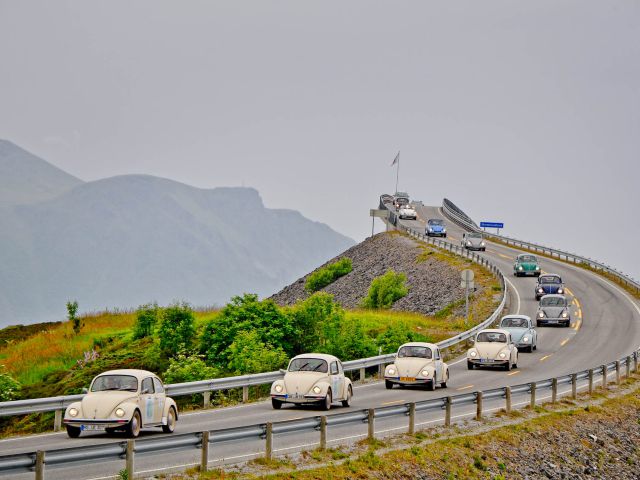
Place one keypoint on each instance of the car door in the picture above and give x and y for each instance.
(337, 380)
(147, 401)
(160, 397)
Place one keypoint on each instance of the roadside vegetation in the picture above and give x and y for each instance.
(327, 275)
(385, 290)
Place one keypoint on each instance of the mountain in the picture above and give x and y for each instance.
(25, 178)
(127, 240)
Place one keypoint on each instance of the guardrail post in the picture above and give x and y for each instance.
(627, 365)
(40, 465)
(372, 424)
(554, 390)
(129, 465)
(604, 377)
(204, 453)
(412, 418)
(617, 372)
(590, 381)
(447, 413)
(478, 406)
(245, 394)
(507, 399)
(268, 454)
(533, 395)
(380, 371)
(574, 385)
(57, 421)
(637, 364)
(323, 432)
(362, 375)
(207, 400)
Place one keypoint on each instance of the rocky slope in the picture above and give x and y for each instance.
(433, 284)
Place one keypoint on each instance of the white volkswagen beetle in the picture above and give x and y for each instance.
(417, 363)
(493, 347)
(312, 378)
(407, 211)
(122, 400)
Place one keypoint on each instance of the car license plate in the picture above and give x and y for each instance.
(93, 428)
(407, 379)
(552, 321)
(485, 360)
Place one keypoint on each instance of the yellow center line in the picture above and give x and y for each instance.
(545, 357)
(465, 388)
(564, 342)
(513, 373)
(392, 402)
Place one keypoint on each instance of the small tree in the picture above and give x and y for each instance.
(72, 310)
(146, 319)
(189, 369)
(385, 290)
(249, 354)
(176, 331)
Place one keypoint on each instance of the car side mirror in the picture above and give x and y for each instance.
(85, 390)
(282, 371)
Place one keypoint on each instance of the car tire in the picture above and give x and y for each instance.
(388, 384)
(444, 384)
(431, 386)
(530, 348)
(507, 367)
(567, 324)
(484, 249)
(469, 365)
(276, 404)
(347, 401)
(328, 400)
(133, 427)
(538, 323)
(73, 432)
(535, 347)
(171, 421)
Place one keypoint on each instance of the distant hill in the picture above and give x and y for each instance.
(127, 240)
(25, 178)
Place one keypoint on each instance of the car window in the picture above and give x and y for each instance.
(415, 351)
(491, 337)
(308, 365)
(436, 354)
(104, 383)
(514, 323)
(158, 385)
(553, 302)
(147, 384)
(334, 368)
(474, 235)
(528, 258)
(340, 367)
(550, 280)
(436, 221)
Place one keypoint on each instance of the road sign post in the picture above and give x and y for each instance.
(373, 213)
(466, 283)
(496, 225)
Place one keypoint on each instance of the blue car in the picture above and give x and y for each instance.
(435, 228)
(548, 284)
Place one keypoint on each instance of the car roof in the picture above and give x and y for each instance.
(526, 255)
(554, 295)
(435, 219)
(550, 275)
(515, 316)
(139, 374)
(322, 356)
(418, 344)
(494, 330)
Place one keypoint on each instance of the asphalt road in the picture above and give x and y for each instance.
(606, 325)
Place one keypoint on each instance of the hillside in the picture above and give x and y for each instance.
(127, 240)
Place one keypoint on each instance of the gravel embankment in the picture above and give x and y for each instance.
(433, 284)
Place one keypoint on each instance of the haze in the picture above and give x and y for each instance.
(526, 113)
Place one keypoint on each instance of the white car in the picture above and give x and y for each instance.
(473, 241)
(407, 212)
(493, 348)
(312, 378)
(125, 400)
(417, 363)
(522, 332)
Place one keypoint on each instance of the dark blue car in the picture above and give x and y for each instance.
(435, 228)
(548, 284)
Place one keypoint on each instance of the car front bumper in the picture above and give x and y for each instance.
(487, 362)
(436, 234)
(297, 398)
(554, 321)
(409, 380)
(93, 424)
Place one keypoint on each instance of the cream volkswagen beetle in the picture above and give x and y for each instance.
(493, 347)
(312, 378)
(417, 363)
(122, 400)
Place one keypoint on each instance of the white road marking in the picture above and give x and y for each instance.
(515, 290)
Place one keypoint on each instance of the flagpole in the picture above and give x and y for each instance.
(397, 172)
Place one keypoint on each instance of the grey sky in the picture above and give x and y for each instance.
(526, 113)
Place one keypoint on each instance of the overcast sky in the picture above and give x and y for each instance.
(521, 112)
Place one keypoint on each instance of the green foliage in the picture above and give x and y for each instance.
(308, 318)
(9, 387)
(123, 474)
(385, 290)
(327, 275)
(250, 355)
(397, 334)
(146, 320)
(72, 310)
(345, 338)
(176, 331)
(192, 368)
(246, 314)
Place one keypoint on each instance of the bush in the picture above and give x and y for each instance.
(397, 334)
(192, 368)
(9, 387)
(176, 331)
(385, 290)
(327, 275)
(146, 319)
(72, 310)
(308, 318)
(250, 355)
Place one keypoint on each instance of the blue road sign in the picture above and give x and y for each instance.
(491, 225)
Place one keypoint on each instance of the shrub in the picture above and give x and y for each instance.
(397, 334)
(345, 338)
(250, 355)
(385, 290)
(192, 368)
(9, 387)
(146, 319)
(309, 316)
(327, 275)
(72, 310)
(176, 331)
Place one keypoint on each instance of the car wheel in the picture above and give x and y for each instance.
(444, 384)
(535, 347)
(431, 386)
(469, 365)
(507, 367)
(328, 400)
(388, 384)
(567, 324)
(347, 402)
(73, 432)
(133, 427)
(538, 323)
(530, 348)
(171, 421)
(276, 404)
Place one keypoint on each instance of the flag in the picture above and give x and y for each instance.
(396, 160)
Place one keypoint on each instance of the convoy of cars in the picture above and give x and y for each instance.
(417, 363)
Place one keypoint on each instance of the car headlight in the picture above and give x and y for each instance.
(560, 291)
(541, 314)
(119, 412)
(425, 373)
(525, 339)
(469, 244)
(473, 353)
(482, 244)
(391, 371)
(537, 267)
(503, 355)
(73, 412)
(444, 230)
(520, 267)
(540, 290)
(565, 314)
(316, 389)
(278, 388)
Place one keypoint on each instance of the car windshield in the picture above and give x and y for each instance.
(528, 259)
(514, 323)
(552, 302)
(491, 337)
(402, 201)
(115, 382)
(308, 365)
(414, 351)
(474, 235)
(550, 280)
(436, 222)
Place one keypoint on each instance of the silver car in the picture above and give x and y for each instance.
(522, 332)
(473, 241)
(553, 310)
